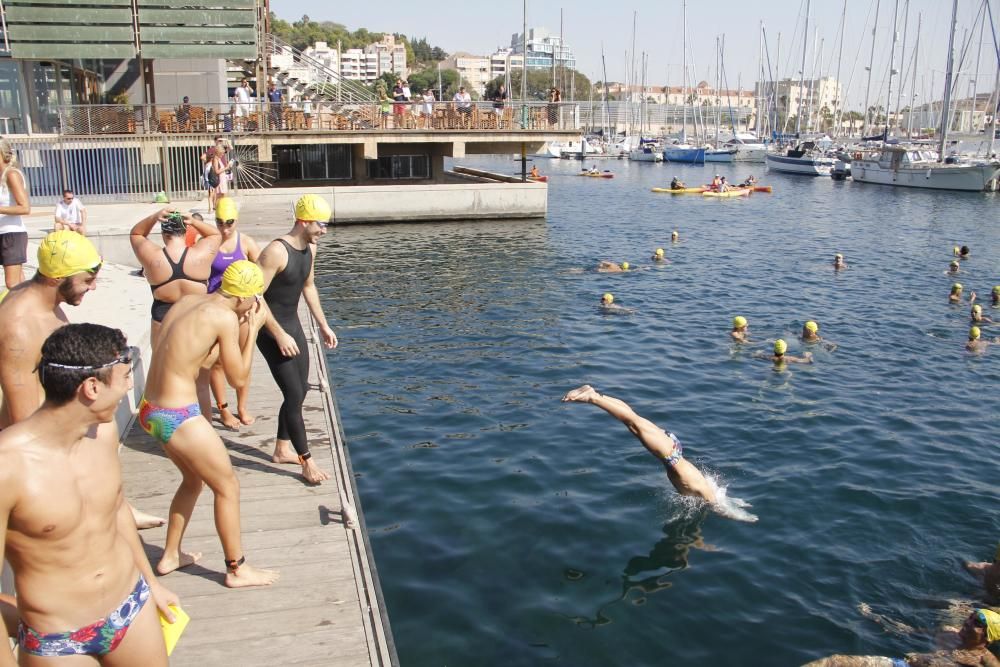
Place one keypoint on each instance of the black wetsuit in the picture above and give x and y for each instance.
(290, 373)
(160, 308)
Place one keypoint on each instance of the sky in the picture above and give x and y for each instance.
(590, 25)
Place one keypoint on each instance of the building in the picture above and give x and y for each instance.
(504, 61)
(701, 95)
(473, 70)
(364, 65)
(542, 48)
(820, 97)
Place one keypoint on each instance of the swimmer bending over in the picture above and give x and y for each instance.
(685, 477)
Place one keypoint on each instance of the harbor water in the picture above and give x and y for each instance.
(512, 529)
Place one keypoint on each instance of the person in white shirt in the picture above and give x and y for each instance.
(71, 214)
(243, 99)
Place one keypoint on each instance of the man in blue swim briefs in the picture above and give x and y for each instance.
(199, 330)
(82, 578)
(685, 477)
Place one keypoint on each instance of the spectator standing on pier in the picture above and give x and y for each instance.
(428, 111)
(71, 214)
(243, 96)
(555, 97)
(14, 203)
(275, 97)
(399, 102)
(463, 104)
(184, 115)
(499, 102)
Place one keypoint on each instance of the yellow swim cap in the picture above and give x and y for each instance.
(838, 256)
(956, 287)
(996, 289)
(659, 252)
(780, 346)
(242, 278)
(674, 234)
(624, 266)
(312, 208)
(65, 253)
(977, 308)
(954, 264)
(812, 326)
(608, 297)
(974, 333)
(955, 250)
(739, 322)
(225, 209)
(992, 624)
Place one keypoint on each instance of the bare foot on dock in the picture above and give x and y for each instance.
(580, 394)
(228, 419)
(283, 452)
(246, 418)
(246, 576)
(144, 521)
(168, 565)
(313, 473)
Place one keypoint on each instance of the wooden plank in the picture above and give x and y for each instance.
(246, 51)
(43, 51)
(228, 4)
(185, 35)
(196, 17)
(73, 15)
(71, 33)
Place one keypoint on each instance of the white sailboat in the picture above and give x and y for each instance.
(916, 168)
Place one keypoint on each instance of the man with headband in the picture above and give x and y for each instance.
(199, 330)
(84, 584)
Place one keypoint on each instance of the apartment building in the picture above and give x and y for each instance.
(542, 48)
(365, 64)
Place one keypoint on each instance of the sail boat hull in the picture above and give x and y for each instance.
(688, 155)
(968, 178)
(808, 166)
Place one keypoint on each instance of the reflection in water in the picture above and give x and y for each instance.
(646, 575)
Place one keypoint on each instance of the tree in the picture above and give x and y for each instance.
(387, 81)
(427, 78)
(540, 83)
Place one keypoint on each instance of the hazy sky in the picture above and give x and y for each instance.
(479, 27)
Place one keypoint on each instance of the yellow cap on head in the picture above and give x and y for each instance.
(659, 252)
(674, 234)
(739, 322)
(955, 250)
(996, 290)
(992, 624)
(312, 208)
(225, 209)
(974, 333)
(624, 266)
(954, 264)
(956, 287)
(65, 253)
(977, 308)
(812, 327)
(780, 346)
(608, 298)
(242, 278)
(838, 256)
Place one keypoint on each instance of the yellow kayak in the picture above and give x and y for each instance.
(681, 191)
(606, 174)
(735, 192)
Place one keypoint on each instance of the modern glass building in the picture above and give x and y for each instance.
(542, 48)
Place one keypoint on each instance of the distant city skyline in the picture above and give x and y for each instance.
(479, 28)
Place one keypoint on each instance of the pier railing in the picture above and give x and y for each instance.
(313, 117)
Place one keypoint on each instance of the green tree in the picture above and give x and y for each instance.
(427, 78)
(540, 83)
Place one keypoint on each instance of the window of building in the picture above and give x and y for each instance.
(400, 167)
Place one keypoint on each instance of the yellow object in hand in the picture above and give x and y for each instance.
(173, 631)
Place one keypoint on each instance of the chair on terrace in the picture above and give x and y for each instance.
(167, 121)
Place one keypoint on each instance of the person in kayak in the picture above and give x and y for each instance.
(677, 184)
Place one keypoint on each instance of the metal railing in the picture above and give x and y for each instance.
(310, 78)
(311, 117)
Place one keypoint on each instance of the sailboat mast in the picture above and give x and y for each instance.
(979, 55)
(838, 112)
(902, 59)
(946, 102)
(802, 72)
(684, 60)
(995, 98)
(759, 90)
(913, 85)
(892, 61)
(871, 64)
(718, 78)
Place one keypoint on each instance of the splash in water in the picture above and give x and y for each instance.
(687, 507)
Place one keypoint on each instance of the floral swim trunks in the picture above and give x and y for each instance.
(98, 638)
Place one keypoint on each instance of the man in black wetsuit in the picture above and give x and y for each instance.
(287, 263)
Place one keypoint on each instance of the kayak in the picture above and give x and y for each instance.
(762, 188)
(736, 192)
(681, 191)
(539, 179)
(606, 174)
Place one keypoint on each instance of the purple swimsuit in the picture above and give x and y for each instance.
(221, 263)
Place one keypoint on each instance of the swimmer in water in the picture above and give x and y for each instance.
(608, 305)
(675, 237)
(741, 330)
(976, 343)
(968, 645)
(838, 262)
(685, 477)
(956, 294)
(780, 358)
(658, 256)
(996, 296)
(964, 252)
(810, 334)
(953, 267)
(610, 267)
(989, 575)
(976, 314)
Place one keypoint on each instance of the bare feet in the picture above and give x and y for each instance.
(169, 564)
(246, 418)
(144, 521)
(581, 394)
(228, 419)
(313, 473)
(246, 576)
(283, 452)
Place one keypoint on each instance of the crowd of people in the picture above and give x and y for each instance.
(75, 555)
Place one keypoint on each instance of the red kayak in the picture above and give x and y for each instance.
(540, 179)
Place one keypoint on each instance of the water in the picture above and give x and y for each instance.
(511, 529)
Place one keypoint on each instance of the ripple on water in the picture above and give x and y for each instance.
(518, 530)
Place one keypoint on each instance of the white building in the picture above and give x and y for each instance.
(814, 95)
(363, 65)
(542, 47)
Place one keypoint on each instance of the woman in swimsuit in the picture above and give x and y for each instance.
(235, 246)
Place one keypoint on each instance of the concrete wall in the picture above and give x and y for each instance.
(202, 80)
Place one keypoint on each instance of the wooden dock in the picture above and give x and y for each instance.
(327, 608)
